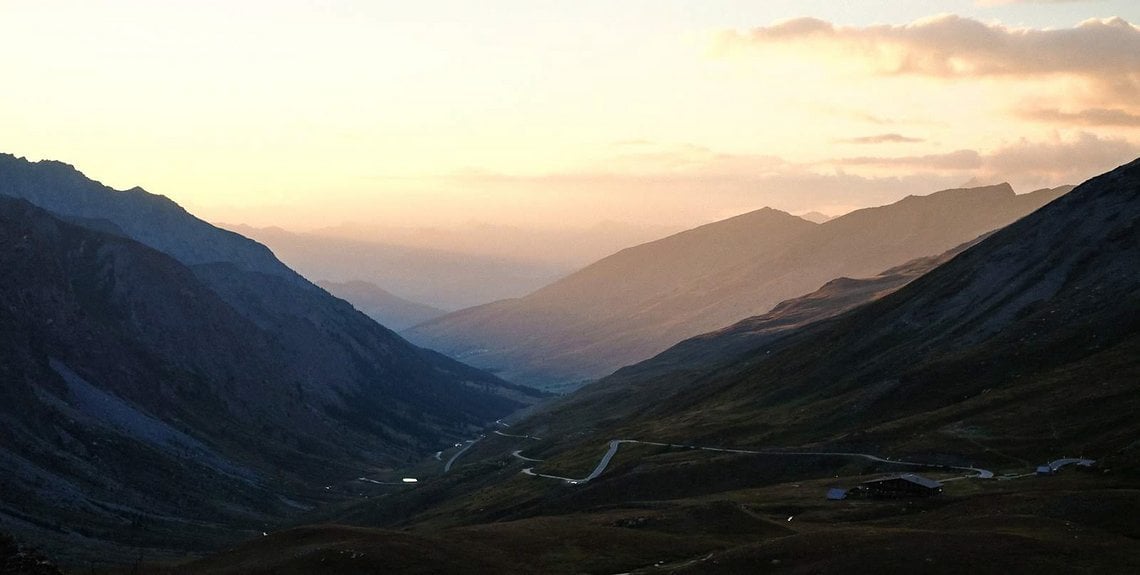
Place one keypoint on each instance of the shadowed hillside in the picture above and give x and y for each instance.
(144, 393)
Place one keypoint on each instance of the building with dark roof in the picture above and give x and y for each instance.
(904, 485)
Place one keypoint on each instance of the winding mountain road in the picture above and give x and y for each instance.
(497, 432)
(615, 444)
(1055, 465)
(518, 453)
(447, 466)
(373, 481)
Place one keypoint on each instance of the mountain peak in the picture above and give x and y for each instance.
(1001, 190)
(765, 215)
(638, 302)
(149, 218)
(816, 217)
(768, 210)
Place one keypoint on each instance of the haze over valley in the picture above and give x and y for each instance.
(443, 279)
(634, 304)
(656, 286)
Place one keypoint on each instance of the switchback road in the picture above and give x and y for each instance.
(615, 444)
(447, 466)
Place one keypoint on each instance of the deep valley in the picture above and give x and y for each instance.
(583, 288)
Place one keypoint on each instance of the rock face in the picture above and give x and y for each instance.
(638, 302)
(184, 387)
(1032, 333)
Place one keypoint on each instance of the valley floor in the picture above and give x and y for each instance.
(663, 508)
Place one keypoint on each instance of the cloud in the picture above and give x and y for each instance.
(957, 160)
(871, 118)
(1089, 117)
(687, 184)
(1106, 51)
(883, 139)
(1026, 164)
(1056, 162)
(682, 191)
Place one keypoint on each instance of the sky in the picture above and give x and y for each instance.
(536, 113)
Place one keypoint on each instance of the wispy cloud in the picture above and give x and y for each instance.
(1089, 117)
(661, 182)
(883, 139)
(1106, 51)
(956, 160)
(1061, 161)
(1024, 163)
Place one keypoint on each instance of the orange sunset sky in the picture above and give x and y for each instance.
(306, 114)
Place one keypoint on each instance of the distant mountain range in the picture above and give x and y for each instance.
(638, 302)
(443, 279)
(387, 309)
(157, 370)
(1028, 342)
(816, 217)
(568, 248)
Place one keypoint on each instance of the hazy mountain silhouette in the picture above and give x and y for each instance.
(390, 310)
(638, 302)
(598, 318)
(191, 384)
(148, 218)
(568, 248)
(700, 353)
(1030, 339)
(444, 279)
(816, 217)
(618, 396)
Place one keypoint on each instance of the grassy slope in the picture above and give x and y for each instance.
(954, 366)
(646, 513)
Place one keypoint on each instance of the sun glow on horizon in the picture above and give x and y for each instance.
(305, 115)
